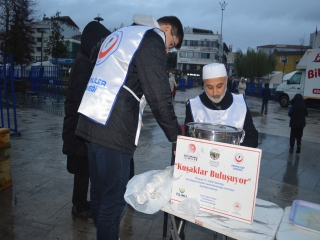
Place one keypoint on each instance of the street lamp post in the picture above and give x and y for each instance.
(42, 31)
(41, 67)
(99, 19)
(223, 7)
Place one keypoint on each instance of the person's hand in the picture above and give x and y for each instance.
(142, 124)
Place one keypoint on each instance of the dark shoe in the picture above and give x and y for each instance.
(298, 149)
(291, 150)
(84, 215)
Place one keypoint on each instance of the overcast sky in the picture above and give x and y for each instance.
(246, 23)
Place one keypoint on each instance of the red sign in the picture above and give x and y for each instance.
(316, 91)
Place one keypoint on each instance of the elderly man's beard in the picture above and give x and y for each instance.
(217, 98)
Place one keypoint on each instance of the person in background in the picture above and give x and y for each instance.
(242, 86)
(265, 98)
(173, 84)
(297, 113)
(74, 147)
(218, 106)
(131, 69)
(232, 84)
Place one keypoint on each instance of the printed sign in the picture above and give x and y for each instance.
(222, 177)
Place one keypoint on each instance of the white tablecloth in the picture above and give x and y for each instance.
(267, 217)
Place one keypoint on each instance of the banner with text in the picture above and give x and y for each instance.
(223, 177)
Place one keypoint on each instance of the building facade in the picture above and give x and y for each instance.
(199, 47)
(286, 55)
(42, 31)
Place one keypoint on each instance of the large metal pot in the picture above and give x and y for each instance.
(216, 132)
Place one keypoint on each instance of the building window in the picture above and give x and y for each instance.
(204, 55)
(190, 54)
(183, 54)
(196, 55)
(212, 56)
(283, 59)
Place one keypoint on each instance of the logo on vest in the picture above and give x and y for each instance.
(109, 46)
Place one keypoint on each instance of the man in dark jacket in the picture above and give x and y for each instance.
(232, 84)
(134, 58)
(74, 147)
(297, 113)
(218, 106)
(265, 98)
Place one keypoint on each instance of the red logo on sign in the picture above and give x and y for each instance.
(109, 46)
(192, 148)
(237, 206)
(238, 158)
(316, 91)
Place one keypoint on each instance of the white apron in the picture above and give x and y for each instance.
(110, 73)
(234, 116)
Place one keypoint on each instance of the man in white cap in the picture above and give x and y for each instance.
(217, 105)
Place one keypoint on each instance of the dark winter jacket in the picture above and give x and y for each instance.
(231, 86)
(80, 73)
(146, 75)
(251, 133)
(266, 93)
(298, 112)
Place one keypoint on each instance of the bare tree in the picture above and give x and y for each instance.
(16, 18)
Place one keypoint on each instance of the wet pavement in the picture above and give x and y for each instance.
(38, 205)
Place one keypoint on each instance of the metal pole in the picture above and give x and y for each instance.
(41, 45)
(223, 7)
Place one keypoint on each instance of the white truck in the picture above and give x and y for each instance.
(305, 81)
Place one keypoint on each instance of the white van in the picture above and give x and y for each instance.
(306, 80)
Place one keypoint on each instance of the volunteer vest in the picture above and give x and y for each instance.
(110, 72)
(234, 116)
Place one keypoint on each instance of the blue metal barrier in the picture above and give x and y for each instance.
(190, 83)
(6, 80)
(47, 81)
(182, 84)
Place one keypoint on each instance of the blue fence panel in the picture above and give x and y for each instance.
(190, 83)
(8, 106)
(248, 88)
(20, 72)
(182, 84)
(47, 81)
(34, 77)
(252, 89)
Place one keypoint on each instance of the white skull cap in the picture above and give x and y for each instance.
(214, 70)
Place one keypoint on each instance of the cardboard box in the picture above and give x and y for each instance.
(5, 180)
(5, 152)
(5, 166)
(4, 136)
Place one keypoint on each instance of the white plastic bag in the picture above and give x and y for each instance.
(190, 206)
(150, 191)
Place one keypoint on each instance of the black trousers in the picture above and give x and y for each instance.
(80, 192)
(296, 133)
